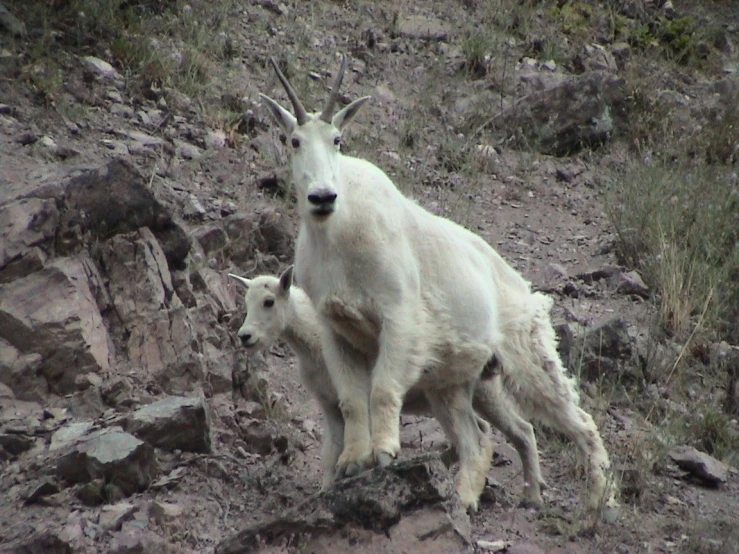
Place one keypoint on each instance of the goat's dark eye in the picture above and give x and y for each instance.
(337, 141)
(295, 142)
(269, 303)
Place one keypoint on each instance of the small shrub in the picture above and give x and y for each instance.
(712, 432)
(682, 40)
(718, 140)
(574, 17)
(477, 45)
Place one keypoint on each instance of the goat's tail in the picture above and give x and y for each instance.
(530, 366)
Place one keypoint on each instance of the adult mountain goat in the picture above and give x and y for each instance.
(411, 299)
(275, 308)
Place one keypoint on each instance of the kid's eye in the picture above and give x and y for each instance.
(295, 142)
(269, 303)
(337, 141)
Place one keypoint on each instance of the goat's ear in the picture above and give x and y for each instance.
(286, 280)
(343, 117)
(247, 282)
(281, 116)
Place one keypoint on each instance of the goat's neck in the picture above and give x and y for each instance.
(302, 334)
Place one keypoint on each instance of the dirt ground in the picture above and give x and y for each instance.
(544, 214)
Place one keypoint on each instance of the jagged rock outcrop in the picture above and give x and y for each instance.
(410, 504)
(52, 316)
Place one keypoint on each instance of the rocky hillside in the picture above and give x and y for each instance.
(594, 144)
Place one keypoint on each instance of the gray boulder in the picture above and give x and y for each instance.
(561, 120)
(172, 423)
(119, 459)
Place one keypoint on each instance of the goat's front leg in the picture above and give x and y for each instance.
(350, 377)
(333, 442)
(393, 375)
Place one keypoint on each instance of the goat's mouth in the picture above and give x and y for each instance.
(322, 211)
(250, 345)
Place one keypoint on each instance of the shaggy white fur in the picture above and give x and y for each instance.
(276, 308)
(411, 299)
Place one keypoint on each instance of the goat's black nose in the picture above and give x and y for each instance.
(245, 339)
(322, 198)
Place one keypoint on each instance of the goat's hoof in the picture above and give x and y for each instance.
(472, 507)
(384, 459)
(353, 468)
(610, 512)
(469, 499)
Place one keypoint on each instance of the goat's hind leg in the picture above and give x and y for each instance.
(578, 425)
(555, 402)
(491, 402)
(452, 407)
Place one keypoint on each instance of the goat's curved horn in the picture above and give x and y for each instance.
(326, 113)
(300, 114)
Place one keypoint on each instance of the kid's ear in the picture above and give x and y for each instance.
(286, 280)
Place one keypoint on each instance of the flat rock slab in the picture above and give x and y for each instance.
(70, 434)
(423, 28)
(120, 459)
(410, 506)
(162, 339)
(42, 542)
(700, 464)
(175, 422)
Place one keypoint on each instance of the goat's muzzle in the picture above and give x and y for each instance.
(246, 341)
(322, 202)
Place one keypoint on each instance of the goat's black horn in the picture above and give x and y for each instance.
(300, 114)
(327, 111)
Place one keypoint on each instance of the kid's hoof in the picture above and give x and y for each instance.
(449, 457)
(384, 459)
(531, 503)
(611, 514)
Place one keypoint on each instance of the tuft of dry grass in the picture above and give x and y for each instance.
(679, 224)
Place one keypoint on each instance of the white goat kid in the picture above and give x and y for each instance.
(411, 298)
(275, 308)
